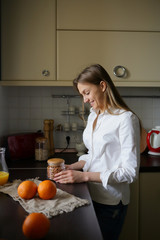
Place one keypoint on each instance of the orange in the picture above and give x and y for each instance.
(36, 226)
(47, 189)
(27, 189)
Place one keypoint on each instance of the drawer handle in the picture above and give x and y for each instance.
(45, 73)
(119, 71)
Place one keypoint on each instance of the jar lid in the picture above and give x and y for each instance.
(55, 161)
(41, 139)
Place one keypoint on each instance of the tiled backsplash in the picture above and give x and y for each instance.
(23, 109)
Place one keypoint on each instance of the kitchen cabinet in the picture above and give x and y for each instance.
(138, 52)
(28, 40)
(130, 227)
(149, 206)
(108, 15)
(110, 33)
(48, 42)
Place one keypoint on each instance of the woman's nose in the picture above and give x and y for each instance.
(85, 99)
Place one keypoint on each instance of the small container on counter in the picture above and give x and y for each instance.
(55, 165)
(41, 149)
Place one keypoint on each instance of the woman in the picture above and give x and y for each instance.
(112, 137)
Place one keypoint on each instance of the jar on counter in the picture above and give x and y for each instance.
(55, 165)
(41, 149)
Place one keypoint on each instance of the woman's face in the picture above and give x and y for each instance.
(93, 94)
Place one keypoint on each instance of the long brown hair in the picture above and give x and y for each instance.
(94, 74)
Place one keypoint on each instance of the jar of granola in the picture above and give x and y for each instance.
(55, 165)
(41, 149)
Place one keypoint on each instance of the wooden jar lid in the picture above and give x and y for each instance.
(41, 139)
(55, 161)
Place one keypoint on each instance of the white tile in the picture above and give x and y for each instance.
(24, 102)
(35, 102)
(47, 113)
(148, 124)
(13, 126)
(47, 102)
(156, 122)
(13, 102)
(24, 91)
(13, 91)
(35, 113)
(24, 113)
(36, 125)
(13, 113)
(23, 125)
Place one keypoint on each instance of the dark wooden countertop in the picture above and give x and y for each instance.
(79, 224)
(149, 163)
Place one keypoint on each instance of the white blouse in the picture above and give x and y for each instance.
(114, 151)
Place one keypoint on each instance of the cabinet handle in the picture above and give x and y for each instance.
(119, 71)
(45, 73)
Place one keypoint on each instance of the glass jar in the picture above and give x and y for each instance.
(4, 173)
(41, 149)
(55, 165)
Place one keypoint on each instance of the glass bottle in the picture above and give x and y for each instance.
(4, 173)
(41, 149)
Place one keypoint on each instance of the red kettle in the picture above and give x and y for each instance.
(153, 141)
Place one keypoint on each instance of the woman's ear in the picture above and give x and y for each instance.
(103, 85)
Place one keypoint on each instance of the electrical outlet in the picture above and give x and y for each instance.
(68, 140)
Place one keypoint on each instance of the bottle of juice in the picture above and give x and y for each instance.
(4, 173)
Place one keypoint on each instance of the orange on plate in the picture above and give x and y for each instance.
(47, 189)
(27, 189)
(36, 226)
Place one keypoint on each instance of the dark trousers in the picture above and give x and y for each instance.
(111, 219)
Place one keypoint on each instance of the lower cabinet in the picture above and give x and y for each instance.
(130, 227)
(149, 206)
(142, 220)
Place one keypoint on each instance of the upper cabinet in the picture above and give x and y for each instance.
(125, 15)
(116, 34)
(138, 52)
(48, 42)
(28, 40)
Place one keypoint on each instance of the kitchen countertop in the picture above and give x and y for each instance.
(149, 163)
(79, 224)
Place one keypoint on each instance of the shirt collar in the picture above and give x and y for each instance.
(115, 111)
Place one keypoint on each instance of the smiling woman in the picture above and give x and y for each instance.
(112, 137)
(93, 94)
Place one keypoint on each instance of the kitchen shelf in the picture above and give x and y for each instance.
(125, 96)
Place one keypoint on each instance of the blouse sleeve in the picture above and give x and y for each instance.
(128, 168)
(85, 158)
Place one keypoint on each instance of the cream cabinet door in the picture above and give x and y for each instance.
(28, 40)
(149, 206)
(109, 14)
(138, 52)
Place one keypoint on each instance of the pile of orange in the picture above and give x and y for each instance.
(36, 225)
(28, 189)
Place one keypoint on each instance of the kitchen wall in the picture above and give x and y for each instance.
(3, 111)
(23, 109)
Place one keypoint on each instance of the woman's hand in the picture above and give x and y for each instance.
(68, 167)
(70, 176)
